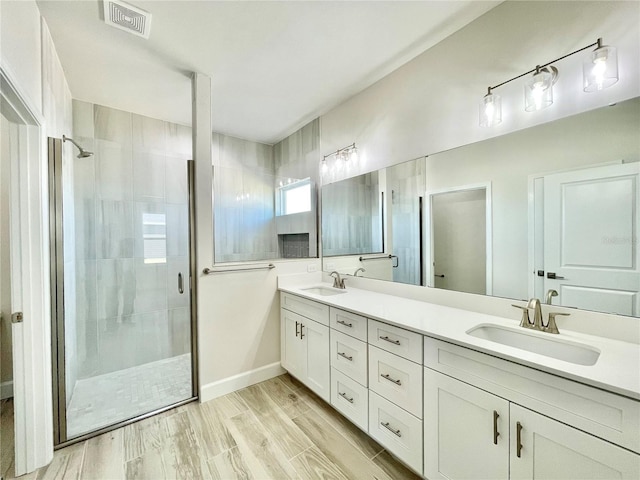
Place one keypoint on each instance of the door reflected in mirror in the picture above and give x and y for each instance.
(560, 211)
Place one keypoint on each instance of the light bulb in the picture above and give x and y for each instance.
(354, 154)
(490, 110)
(538, 91)
(599, 67)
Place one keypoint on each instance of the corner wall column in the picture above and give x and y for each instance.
(201, 128)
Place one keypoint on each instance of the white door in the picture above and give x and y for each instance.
(316, 340)
(465, 430)
(547, 449)
(591, 233)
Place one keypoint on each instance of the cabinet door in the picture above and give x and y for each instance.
(548, 449)
(317, 363)
(460, 422)
(292, 346)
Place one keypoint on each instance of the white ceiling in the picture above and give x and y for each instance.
(274, 65)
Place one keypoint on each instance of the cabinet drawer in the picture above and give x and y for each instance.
(396, 340)
(609, 416)
(307, 308)
(396, 379)
(349, 323)
(396, 430)
(350, 398)
(349, 355)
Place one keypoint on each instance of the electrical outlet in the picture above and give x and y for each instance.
(330, 266)
(312, 267)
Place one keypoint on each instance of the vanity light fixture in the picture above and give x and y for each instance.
(350, 152)
(600, 71)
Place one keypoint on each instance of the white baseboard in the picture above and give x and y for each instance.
(237, 382)
(6, 389)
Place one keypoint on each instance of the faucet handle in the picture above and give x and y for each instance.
(552, 327)
(524, 322)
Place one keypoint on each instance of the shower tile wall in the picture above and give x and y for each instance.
(298, 156)
(129, 312)
(245, 178)
(351, 221)
(244, 200)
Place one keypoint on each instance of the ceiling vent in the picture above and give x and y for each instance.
(127, 17)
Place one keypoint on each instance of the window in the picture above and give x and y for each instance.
(154, 235)
(294, 197)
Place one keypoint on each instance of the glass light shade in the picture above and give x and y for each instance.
(538, 91)
(490, 110)
(600, 70)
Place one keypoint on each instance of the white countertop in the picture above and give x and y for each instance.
(616, 370)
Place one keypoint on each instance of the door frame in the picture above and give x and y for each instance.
(33, 414)
(430, 271)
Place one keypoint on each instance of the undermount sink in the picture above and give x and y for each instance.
(535, 342)
(324, 291)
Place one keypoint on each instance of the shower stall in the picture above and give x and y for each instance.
(122, 305)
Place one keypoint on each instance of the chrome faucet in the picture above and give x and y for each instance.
(550, 294)
(355, 274)
(537, 313)
(337, 281)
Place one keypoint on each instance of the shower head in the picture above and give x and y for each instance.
(83, 153)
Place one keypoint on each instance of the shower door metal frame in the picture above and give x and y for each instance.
(56, 251)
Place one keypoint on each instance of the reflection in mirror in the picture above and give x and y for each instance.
(459, 237)
(560, 207)
(406, 182)
(352, 216)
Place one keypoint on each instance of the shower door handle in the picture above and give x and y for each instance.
(180, 284)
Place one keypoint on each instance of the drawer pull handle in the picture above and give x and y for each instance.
(386, 376)
(496, 434)
(395, 432)
(342, 322)
(297, 332)
(344, 355)
(387, 339)
(518, 439)
(301, 334)
(344, 395)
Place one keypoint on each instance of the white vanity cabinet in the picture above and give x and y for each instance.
(349, 393)
(304, 342)
(395, 391)
(499, 438)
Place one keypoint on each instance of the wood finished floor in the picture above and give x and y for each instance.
(277, 429)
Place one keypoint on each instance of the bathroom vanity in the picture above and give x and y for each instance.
(457, 394)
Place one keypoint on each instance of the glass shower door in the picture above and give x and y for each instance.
(124, 342)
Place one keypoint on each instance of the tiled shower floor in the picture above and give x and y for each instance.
(113, 397)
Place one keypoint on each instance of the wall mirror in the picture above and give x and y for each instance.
(552, 211)
(352, 222)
